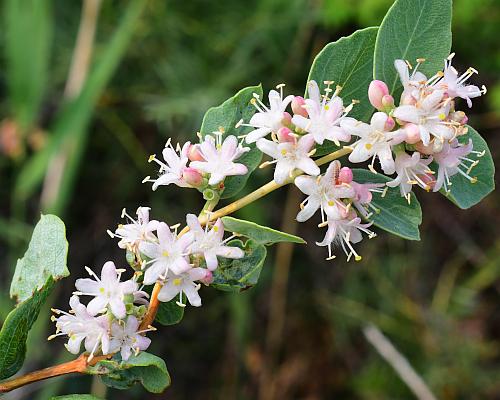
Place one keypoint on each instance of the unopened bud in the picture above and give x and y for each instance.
(345, 175)
(285, 135)
(287, 119)
(376, 92)
(460, 117)
(208, 278)
(412, 133)
(192, 177)
(389, 124)
(297, 106)
(388, 102)
(194, 153)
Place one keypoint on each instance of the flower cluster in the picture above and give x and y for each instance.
(210, 162)
(405, 139)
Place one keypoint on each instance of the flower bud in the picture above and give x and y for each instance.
(389, 124)
(376, 91)
(194, 153)
(345, 175)
(208, 279)
(460, 117)
(286, 135)
(388, 102)
(412, 133)
(209, 194)
(192, 177)
(287, 119)
(297, 106)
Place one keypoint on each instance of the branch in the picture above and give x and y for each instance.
(79, 365)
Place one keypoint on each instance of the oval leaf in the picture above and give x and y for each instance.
(169, 313)
(413, 29)
(224, 119)
(464, 193)
(260, 234)
(145, 368)
(43, 263)
(240, 274)
(395, 214)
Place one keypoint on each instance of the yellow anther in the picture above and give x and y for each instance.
(216, 228)
(358, 258)
(101, 290)
(473, 180)
(331, 203)
(283, 152)
(151, 157)
(442, 116)
(165, 253)
(368, 146)
(177, 281)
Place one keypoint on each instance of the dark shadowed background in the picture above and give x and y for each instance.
(298, 334)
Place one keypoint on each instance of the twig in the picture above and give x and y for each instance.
(398, 362)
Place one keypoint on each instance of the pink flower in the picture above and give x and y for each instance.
(409, 170)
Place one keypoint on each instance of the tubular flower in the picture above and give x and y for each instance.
(184, 283)
(138, 230)
(127, 339)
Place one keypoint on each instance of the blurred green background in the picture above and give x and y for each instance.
(75, 141)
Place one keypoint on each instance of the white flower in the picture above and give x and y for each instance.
(324, 116)
(108, 290)
(80, 325)
(455, 86)
(219, 158)
(375, 141)
(290, 155)
(267, 120)
(453, 160)
(411, 171)
(323, 192)
(131, 235)
(363, 197)
(210, 242)
(126, 338)
(429, 114)
(169, 254)
(411, 83)
(345, 231)
(184, 283)
(172, 169)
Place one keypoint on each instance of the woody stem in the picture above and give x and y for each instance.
(78, 365)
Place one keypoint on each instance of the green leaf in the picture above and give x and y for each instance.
(462, 192)
(45, 257)
(28, 27)
(396, 215)
(349, 63)
(145, 368)
(169, 313)
(68, 134)
(43, 263)
(224, 119)
(76, 397)
(240, 274)
(413, 29)
(260, 234)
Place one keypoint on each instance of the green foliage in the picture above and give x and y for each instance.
(413, 29)
(169, 313)
(240, 274)
(145, 368)
(464, 193)
(259, 234)
(224, 119)
(28, 38)
(43, 263)
(68, 134)
(348, 62)
(395, 214)
(45, 258)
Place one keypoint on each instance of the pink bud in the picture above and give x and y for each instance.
(287, 119)
(286, 135)
(376, 91)
(389, 124)
(412, 133)
(192, 177)
(297, 106)
(194, 153)
(345, 175)
(460, 117)
(388, 101)
(209, 277)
